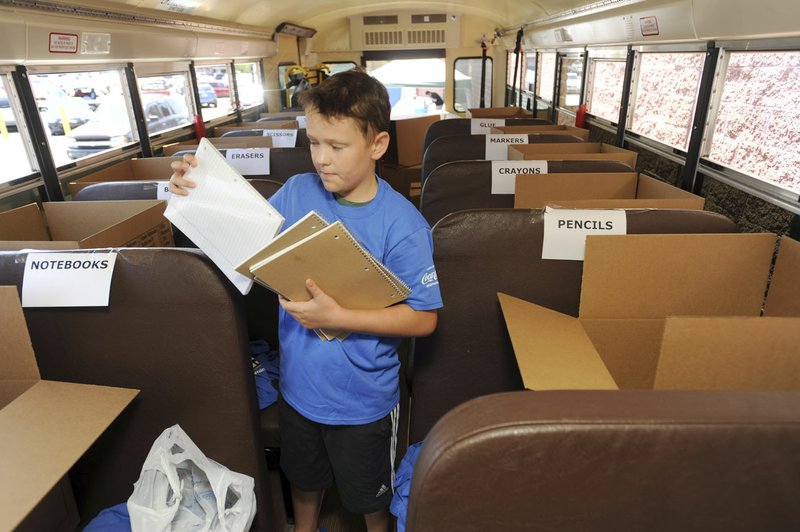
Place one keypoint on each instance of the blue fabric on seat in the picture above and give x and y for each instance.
(266, 369)
(402, 485)
(114, 519)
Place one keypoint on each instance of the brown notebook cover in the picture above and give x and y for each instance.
(339, 265)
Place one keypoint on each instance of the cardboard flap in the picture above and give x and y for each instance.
(552, 350)
(629, 348)
(730, 354)
(650, 187)
(23, 223)
(546, 129)
(532, 151)
(783, 298)
(686, 203)
(534, 191)
(17, 360)
(45, 431)
(653, 276)
(79, 220)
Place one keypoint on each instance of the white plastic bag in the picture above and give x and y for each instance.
(181, 489)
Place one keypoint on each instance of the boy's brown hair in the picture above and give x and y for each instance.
(351, 94)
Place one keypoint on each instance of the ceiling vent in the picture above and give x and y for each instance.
(405, 31)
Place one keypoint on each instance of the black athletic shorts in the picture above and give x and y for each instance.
(358, 458)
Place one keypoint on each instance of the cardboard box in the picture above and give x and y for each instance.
(282, 113)
(86, 224)
(401, 178)
(220, 143)
(548, 129)
(572, 151)
(611, 190)
(289, 124)
(46, 426)
(146, 169)
(406, 136)
(648, 321)
(498, 112)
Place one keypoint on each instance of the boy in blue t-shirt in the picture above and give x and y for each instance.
(339, 399)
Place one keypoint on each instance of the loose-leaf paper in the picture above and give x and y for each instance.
(224, 215)
(68, 279)
(565, 230)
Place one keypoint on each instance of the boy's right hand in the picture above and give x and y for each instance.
(178, 182)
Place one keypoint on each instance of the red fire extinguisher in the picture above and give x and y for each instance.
(580, 115)
(199, 126)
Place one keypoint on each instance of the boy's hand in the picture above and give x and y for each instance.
(178, 183)
(316, 313)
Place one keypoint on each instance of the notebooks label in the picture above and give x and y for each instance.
(565, 230)
(497, 145)
(504, 173)
(67, 279)
(483, 126)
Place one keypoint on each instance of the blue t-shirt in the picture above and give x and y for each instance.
(354, 381)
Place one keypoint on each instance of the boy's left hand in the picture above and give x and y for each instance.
(316, 313)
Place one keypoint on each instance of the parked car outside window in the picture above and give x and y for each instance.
(76, 111)
(208, 97)
(6, 111)
(110, 127)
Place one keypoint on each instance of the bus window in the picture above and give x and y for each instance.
(340, 66)
(408, 81)
(215, 76)
(666, 95)
(604, 91)
(757, 130)
(467, 83)
(70, 108)
(249, 84)
(545, 83)
(15, 159)
(166, 101)
(570, 83)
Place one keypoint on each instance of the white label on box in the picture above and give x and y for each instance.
(282, 138)
(565, 230)
(497, 145)
(301, 121)
(249, 161)
(504, 173)
(482, 126)
(67, 279)
(162, 190)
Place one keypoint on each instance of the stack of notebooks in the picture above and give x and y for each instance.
(309, 249)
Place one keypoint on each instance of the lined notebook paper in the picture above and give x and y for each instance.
(224, 215)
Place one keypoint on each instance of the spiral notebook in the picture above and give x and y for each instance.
(340, 266)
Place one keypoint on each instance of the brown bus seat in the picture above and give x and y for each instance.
(611, 460)
(460, 185)
(471, 147)
(484, 251)
(175, 329)
(463, 126)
